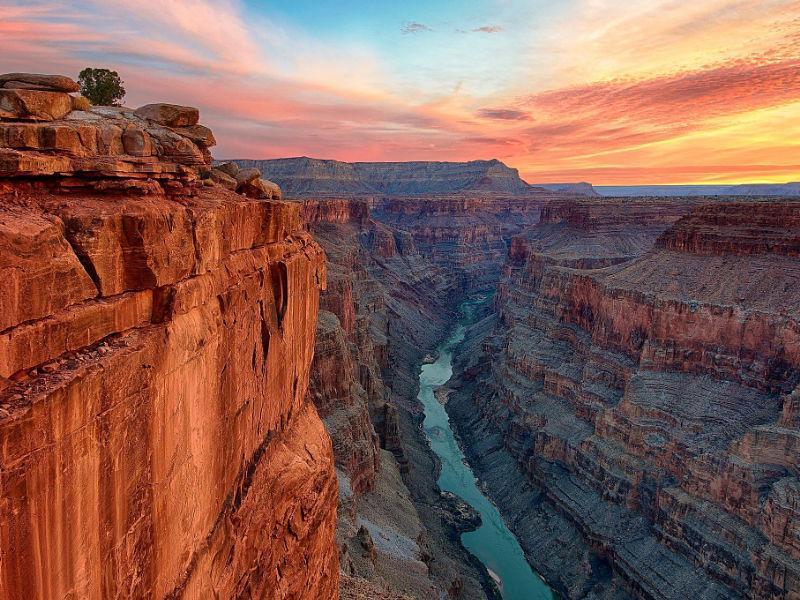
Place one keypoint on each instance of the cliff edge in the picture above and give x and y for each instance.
(156, 337)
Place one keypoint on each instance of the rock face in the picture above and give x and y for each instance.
(631, 400)
(310, 177)
(109, 148)
(467, 235)
(396, 270)
(156, 339)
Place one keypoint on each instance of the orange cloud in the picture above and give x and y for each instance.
(630, 99)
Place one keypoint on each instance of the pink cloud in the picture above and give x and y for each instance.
(618, 114)
(265, 98)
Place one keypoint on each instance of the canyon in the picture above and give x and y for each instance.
(627, 398)
(214, 376)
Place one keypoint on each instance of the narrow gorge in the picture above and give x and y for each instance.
(626, 398)
(305, 379)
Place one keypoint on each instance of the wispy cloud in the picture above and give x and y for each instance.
(616, 113)
(414, 27)
(504, 114)
(488, 29)
(636, 92)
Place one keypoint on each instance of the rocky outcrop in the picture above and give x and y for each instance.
(737, 228)
(156, 439)
(636, 381)
(108, 148)
(310, 177)
(247, 182)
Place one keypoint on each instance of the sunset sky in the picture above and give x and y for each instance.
(606, 91)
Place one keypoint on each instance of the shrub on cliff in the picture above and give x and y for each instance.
(101, 86)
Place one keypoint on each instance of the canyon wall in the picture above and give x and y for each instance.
(630, 400)
(397, 268)
(156, 339)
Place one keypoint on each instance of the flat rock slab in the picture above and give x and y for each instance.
(199, 134)
(171, 115)
(32, 105)
(37, 81)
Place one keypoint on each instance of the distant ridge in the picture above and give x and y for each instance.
(303, 176)
(582, 188)
(748, 189)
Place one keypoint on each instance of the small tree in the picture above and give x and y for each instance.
(101, 86)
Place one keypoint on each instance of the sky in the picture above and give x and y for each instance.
(612, 92)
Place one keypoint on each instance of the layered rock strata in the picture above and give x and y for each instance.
(466, 235)
(156, 439)
(630, 401)
(396, 272)
(370, 338)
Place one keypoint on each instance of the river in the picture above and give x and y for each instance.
(492, 543)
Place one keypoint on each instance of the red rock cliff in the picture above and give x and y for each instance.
(644, 379)
(156, 338)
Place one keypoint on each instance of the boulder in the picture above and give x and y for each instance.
(274, 188)
(199, 134)
(229, 168)
(171, 115)
(35, 81)
(221, 178)
(136, 141)
(32, 105)
(245, 176)
(260, 189)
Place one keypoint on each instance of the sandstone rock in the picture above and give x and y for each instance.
(34, 81)
(106, 143)
(41, 273)
(171, 115)
(199, 134)
(638, 373)
(30, 105)
(245, 176)
(155, 355)
(121, 392)
(136, 141)
(219, 177)
(259, 188)
(250, 184)
(229, 168)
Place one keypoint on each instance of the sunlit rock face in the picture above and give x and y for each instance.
(631, 400)
(156, 340)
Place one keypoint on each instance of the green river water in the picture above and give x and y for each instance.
(492, 543)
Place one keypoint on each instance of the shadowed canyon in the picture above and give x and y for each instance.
(307, 379)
